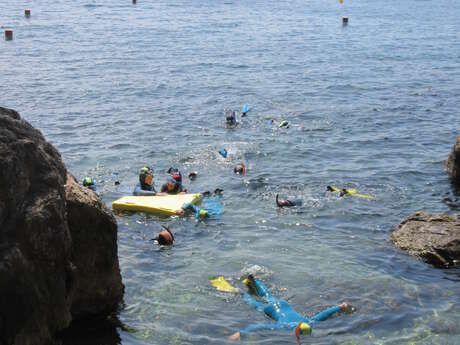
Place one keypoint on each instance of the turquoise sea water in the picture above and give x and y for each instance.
(373, 105)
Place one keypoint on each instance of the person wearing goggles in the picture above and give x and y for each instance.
(173, 184)
(89, 182)
(281, 311)
(146, 187)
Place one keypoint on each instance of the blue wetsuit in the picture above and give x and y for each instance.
(281, 311)
(213, 207)
(144, 192)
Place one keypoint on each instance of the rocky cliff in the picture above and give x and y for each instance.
(58, 242)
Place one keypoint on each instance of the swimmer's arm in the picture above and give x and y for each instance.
(325, 314)
(160, 194)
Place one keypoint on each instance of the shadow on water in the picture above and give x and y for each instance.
(452, 198)
(102, 331)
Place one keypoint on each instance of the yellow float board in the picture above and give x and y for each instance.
(161, 205)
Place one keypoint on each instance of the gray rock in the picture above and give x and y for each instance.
(45, 232)
(453, 162)
(433, 237)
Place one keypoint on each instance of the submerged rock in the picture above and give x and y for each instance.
(453, 162)
(433, 237)
(58, 243)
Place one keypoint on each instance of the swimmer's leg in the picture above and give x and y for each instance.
(252, 302)
(263, 291)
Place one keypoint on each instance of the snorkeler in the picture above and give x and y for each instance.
(213, 206)
(89, 182)
(240, 169)
(350, 192)
(281, 311)
(290, 202)
(173, 184)
(165, 237)
(231, 119)
(145, 187)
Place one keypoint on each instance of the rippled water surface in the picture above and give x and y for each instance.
(373, 105)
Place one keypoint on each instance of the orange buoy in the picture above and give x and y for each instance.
(344, 20)
(8, 35)
(27, 13)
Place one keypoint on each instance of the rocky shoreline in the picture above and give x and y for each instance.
(58, 247)
(435, 238)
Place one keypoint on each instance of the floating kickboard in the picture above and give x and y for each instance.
(161, 205)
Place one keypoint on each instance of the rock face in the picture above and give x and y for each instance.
(58, 243)
(453, 162)
(94, 252)
(433, 237)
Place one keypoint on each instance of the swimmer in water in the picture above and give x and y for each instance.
(231, 119)
(146, 187)
(290, 202)
(281, 311)
(165, 237)
(173, 184)
(240, 169)
(89, 182)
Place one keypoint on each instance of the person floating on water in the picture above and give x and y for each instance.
(281, 311)
(213, 206)
(145, 187)
(89, 182)
(350, 192)
(290, 202)
(173, 184)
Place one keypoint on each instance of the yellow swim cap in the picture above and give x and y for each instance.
(302, 328)
(203, 213)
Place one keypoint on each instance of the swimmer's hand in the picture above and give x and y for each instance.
(235, 336)
(180, 212)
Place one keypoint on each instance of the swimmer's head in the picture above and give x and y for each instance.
(146, 177)
(171, 183)
(231, 119)
(165, 237)
(88, 182)
(303, 328)
(240, 168)
(203, 214)
(192, 175)
(177, 176)
(329, 189)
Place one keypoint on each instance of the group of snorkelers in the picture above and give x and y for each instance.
(146, 187)
(258, 296)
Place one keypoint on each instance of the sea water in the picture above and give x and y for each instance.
(372, 105)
